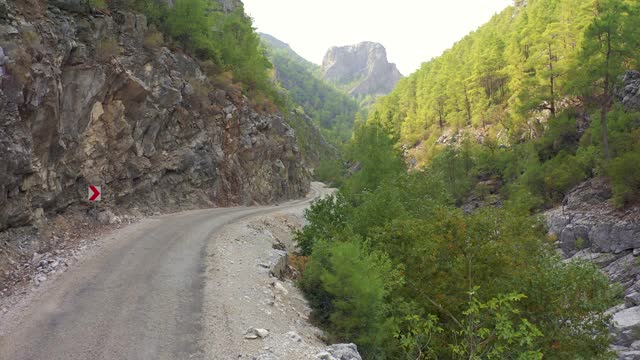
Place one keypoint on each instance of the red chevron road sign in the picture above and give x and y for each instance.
(95, 193)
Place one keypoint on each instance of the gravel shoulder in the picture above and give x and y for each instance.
(241, 293)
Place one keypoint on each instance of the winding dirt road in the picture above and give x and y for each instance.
(140, 298)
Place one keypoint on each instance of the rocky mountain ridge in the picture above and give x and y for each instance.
(363, 68)
(87, 98)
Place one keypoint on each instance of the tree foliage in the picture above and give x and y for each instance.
(539, 79)
(484, 285)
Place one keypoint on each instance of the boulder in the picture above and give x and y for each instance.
(632, 299)
(626, 326)
(279, 261)
(340, 352)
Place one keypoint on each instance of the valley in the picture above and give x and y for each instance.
(261, 204)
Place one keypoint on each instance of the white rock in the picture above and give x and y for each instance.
(280, 288)
(254, 333)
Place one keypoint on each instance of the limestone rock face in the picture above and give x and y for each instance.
(364, 68)
(84, 101)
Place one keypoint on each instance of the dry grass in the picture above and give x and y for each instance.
(153, 39)
(262, 103)
(299, 263)
(107, 49)
(225, 82)
(19, 69)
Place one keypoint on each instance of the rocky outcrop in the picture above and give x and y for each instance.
(629, 92)
(364, 68)
(589, 228)
(88, 99)
(588, 221)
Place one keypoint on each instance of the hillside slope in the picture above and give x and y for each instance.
(332, 110)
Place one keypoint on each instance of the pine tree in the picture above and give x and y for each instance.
(609, 46)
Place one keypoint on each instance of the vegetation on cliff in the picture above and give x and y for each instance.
(225, 42)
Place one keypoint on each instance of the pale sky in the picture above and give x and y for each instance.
(412, 31)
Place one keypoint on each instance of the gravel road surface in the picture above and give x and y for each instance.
(141, 297)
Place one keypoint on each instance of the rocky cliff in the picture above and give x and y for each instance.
(363, 68)
(94, 98)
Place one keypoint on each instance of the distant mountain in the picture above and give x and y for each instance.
(274, 43)
(331, 109)
(362, 69)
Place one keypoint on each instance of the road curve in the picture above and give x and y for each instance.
(140, 298)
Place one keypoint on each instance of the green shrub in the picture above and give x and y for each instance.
(455, 172)
(562, 135)
(553, 179)
(153, 39)
(349, 285)
(331, 172)
(327, 217)
(625, 178)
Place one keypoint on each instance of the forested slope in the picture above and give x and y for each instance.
(508, 120)
(539, 79)
(332, 110)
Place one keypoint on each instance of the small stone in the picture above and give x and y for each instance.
(40, 278)
(324, 356)
(280, 288)
(293, 336)
(5, 310)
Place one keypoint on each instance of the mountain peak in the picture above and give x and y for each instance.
(363, 68)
